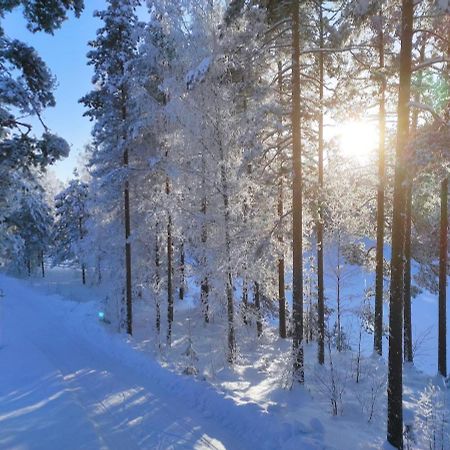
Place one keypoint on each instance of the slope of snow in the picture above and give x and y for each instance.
(100, 389)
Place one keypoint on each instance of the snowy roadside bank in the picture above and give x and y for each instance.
(249, 403)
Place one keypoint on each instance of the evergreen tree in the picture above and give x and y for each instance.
(108, 104)
(70, 224)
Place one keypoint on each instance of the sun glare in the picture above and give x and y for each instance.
(357, 140)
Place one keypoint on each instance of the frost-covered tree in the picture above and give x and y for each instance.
(26, 89)
(70, 224)
(108, 105)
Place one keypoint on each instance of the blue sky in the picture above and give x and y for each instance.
(65, 54)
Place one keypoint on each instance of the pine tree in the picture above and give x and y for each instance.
(443, 259)
(297, 200)
(395, 377)
(108, 104)
(70, 225)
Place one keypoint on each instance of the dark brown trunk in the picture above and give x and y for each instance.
(443, 254)
(182, 281)
(244, 300)
(395, 372)
(407, 319)
(126, 195)
(259, 326)
(297, 229)
(42, 264)
(407, 326)
(379, 272)
(229, 279)
(169, 272)
(320, 279)
(281, 283)
(204, 287)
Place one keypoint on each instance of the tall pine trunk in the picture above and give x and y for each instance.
(378, 318)
(320, 278)
(229, 278)
(42, 264)
(443, 253)
(169, 271)
(157, 280)
(204, 286)
(127, 217)
(257, 300)
(83, 267)
(407, 325)
(297, 212)
(395, 371)
(443, 256)
(280, 207)
(182, 270)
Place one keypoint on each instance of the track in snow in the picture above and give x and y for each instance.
(57, 391)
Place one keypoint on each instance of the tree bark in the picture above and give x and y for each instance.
(157, 279)
(407, 326)
(395, 371)
(379, 278)
(297, 212)
(182, 269)
(281, 283)
(204, 286)
(319, 226)
(169, 272)
(127, 217)
(244, 299)
(229, 278)
(443, 254)
(83, 267)
(42, 264)
(259, 326)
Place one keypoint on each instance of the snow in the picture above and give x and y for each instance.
(197, 75)
(77, 384)
(64, 393)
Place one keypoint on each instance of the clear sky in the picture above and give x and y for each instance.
(65, 55)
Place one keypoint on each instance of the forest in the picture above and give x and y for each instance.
(265, 186)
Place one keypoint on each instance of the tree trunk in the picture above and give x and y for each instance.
(395, 371)
(169, 272)
(245, 299)
(281, 283)
(443, 253)
(182, 269)
(42, 264)
(338, 297)
(157, 280)
(126, 196)
(297, 263)
(379, 278)
(320, 278)
(204, 287)
(229, 279)
(259, 326)
(407, 326)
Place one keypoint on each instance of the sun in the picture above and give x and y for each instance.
(357, 140)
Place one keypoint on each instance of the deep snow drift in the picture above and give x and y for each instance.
(68, 382)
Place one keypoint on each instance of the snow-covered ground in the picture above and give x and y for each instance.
(68, 382)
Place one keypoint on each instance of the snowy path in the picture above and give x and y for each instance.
(57, 391)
